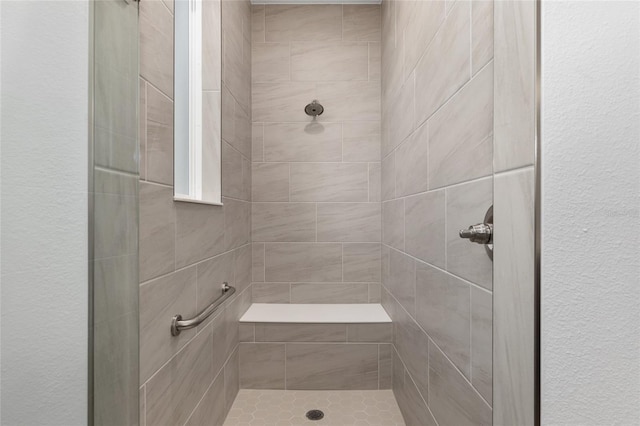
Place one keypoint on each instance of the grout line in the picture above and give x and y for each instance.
(149, 281)
(466, 281)
(452, 97)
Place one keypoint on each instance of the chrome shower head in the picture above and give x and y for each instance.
(314, 109)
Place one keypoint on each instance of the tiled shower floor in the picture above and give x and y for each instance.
(288, 408)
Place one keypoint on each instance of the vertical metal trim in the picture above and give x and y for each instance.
(90, 212)
(538, 215)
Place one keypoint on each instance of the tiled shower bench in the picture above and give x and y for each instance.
(315, 347)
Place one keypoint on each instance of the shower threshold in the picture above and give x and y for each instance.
(289, 408)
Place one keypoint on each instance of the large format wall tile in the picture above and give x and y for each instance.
(270, 62)
(211, 46)
(301, 333)
(412, 163)
(199, 232)
(481, 342)
(270, 182)
(355, 222)
(160, 300)
(329, 292)
(295, 142)
(329, 182)
(381, 333)
(375, 177)
(281, 102)
(451, 397)
(513, 303)
(445, 66)
(375, 61)
(231, 374)
(361, 262)
(401, 282)
(423, 21)
(236, 222)
(412, 345)
(385, 366)
(142, 132)
(361, 141)
(350, 100)
(444, 309)
(257, 262)
(242, 266)
(323, 61)
(116, 211)
(361, 22)
(388, 184)
(283, 222)
(262, 365)
(156, 45)
(393, 223)
(401, 115)
(332, 366)
(303, 262)
(515, 84)
(157, 237)
(257, 142)
(211, 408)
(114, 295)
(303, 23)
(172, 390)
(211, 274)
(425, 227)
(461, 134)
(232, 172)
(481, 33)
(270, 293)
(257, 23)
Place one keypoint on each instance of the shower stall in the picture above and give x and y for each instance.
(265, 212)
(364, 153)
(296, 203)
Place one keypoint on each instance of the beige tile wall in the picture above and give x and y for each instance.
(316, 213)
(315, 356)
(437, 178)
(187, 250)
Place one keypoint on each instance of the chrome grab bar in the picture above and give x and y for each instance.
(178, 324)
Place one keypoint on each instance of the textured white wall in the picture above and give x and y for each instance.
(591, 259)
(44, 162)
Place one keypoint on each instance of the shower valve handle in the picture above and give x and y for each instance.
(481, 233)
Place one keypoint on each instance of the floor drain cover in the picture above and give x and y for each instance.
(315, 414)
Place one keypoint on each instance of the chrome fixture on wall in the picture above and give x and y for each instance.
(314, 109)
(178, 324)
(481, 233)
